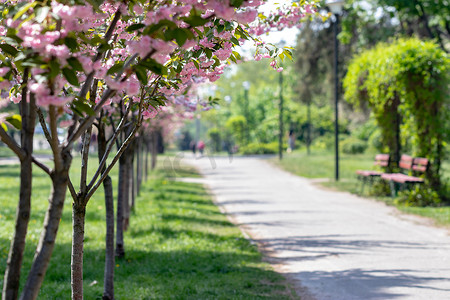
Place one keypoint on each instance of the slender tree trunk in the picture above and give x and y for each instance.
(15, 256)
(146, 159)
(120, 250)
(154, 149)
(78, 221)
(308, 138)
(133, 189)
(108, 286)
(138, 166)
(128, 190)
(60, 179)
(108, 291)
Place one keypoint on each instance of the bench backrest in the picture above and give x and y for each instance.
(382, 160)
(418, 164)
(406, 162)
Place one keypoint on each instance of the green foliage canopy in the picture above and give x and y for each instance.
(408, 78)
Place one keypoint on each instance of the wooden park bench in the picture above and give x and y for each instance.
(368, 176)
(408, 165)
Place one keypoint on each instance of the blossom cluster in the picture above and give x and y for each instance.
(163, 48)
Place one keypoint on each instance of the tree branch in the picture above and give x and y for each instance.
(73, 193)
(108, 93)
(42, 166)
(84, 159)
(124, 146)
(44, 126)
(54, 142)
(108, 149)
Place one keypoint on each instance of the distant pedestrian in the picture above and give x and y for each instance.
(193, 146)
(201, 147)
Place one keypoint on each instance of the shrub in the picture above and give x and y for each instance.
(380, 188)
(215, 139)
(375, 141)
(366, 130)
(353, 145)
(237, 126)
(324, 142)
(420, 195)
(261, 148)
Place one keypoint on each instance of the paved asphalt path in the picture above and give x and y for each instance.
(331, 245)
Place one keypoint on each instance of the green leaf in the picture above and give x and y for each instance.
(75, 64)
(9, 49)
(116, 68)
(104, 47)
(96, 3)
(134, 27)
(236, 3)
(24, 9)
(180, 36)
(235, 41)
(71, 76)
(41, 13)
(153, 66)
(81, 106)
(54, 68)
(15, 120)
(208, 53)
(141, 74)
(71, 42)
(196, 63)
(195, 21)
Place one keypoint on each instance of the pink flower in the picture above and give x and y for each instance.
(16, 98)
(207, 44)
(150, 113)
(39, 89)
(3, 71)
(52, 100)
(5, 84)
(280, 69)
(246, 16)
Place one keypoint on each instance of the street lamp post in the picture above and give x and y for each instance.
(280, 120)
(246, 86)
(336, 7)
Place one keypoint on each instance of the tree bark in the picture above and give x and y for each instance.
(154, 149)
(128, 193)
(108, 291)
(133, 177)
(15, 256)
(146, 158)
(138, 166)
(108, 286)
(78, 221)
(60, 180)
(120, 250)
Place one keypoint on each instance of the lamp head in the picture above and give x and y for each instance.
(335, 6)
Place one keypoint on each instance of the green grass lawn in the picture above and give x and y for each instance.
(320, 164)
(5, 151)
(179, 246)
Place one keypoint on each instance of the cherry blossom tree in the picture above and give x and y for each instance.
(71, 63)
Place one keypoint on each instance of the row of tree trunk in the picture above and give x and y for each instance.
(132, 154)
